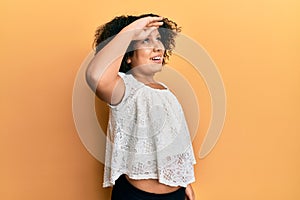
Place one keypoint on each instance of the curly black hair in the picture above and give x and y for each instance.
(105, 33)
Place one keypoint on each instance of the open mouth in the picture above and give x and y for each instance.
(157, 59)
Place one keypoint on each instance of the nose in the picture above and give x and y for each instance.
(158, 46)
(157, 49)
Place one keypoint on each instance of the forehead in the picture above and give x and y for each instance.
(138, 44)
(155, 32)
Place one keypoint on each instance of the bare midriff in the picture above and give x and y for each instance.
(151, 185)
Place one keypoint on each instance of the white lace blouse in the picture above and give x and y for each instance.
(148, 137)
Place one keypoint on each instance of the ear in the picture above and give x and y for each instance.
(128, 60)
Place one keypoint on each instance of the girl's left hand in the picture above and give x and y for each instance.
(189, 192)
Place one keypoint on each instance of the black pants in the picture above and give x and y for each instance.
(123, 190)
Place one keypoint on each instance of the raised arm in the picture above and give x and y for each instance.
(102, 72)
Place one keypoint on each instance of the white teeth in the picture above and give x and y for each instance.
(156, 58)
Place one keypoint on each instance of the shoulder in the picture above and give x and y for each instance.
(130, 88)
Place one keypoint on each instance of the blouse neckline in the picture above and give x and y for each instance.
(165, 88)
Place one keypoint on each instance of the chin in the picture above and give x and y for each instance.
(156, 67)
(148, 68)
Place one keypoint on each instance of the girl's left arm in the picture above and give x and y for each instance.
(189, 192)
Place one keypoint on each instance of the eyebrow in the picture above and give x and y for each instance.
(156, 35)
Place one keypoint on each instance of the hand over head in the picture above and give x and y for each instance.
(144, 26)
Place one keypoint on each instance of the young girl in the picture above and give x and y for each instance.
(148, 149)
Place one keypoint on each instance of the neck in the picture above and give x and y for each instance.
(146, 79)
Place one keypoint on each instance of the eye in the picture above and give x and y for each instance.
(146, 40)
(158, 38)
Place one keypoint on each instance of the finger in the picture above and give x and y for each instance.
(149, 30)
(152, 19)
(155, 24)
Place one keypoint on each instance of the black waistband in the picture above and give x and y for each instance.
(126, 185)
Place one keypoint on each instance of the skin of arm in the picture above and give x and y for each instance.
(190, 195)
(102, 72)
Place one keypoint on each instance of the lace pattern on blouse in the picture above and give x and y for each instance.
(148, 137)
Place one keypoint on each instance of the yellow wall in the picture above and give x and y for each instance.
(255, 45)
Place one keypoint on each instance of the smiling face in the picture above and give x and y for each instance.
(149, 54)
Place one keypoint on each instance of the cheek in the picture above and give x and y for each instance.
(143, 53)
(139, 57)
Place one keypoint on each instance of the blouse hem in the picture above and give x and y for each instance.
(112, 183)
